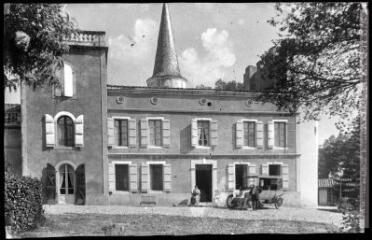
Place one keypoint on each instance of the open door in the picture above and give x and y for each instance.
(80, 185)
(48, 180)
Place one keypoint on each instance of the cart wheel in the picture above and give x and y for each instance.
(229, 201)
(278, 202)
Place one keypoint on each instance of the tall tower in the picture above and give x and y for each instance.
(166, 71)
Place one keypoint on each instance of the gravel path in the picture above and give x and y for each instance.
(283, 213)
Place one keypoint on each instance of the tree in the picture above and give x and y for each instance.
(33, 42)
(202, 86)
(316, 65)
(228, 86)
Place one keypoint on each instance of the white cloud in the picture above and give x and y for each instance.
(137, 46)
(211, 66)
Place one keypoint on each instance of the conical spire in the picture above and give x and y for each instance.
(166, 71)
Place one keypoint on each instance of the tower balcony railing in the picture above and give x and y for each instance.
(87, 38)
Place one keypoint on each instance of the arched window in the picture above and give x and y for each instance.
(65, 131)
(66, 173)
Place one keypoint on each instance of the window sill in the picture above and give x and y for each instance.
(155, 191)
(248, 148)
(119, 147)
(121, 192)
(280, 148)
(202, 147)
(64, 148)
(155, 147)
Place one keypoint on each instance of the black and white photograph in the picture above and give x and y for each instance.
(185, 119)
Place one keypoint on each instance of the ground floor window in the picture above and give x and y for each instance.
(122, 177)
(274, 169)
(271, 183)
(156, 177)
(241, 176)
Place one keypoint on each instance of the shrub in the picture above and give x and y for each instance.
(350, 222)
(23, 202)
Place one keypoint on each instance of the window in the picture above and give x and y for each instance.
(66, 78)
(271, 183)
(121, 132)
(155, 127)
(122, 177)
(250, 134)
(280, 134)
(274, 170)
(203, 133)
(241, 176)
(67, 179)
(65, 131)
(156, 177)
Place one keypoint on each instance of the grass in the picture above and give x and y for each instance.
(93, 224)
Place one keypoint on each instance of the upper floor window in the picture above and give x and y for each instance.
(203, 133)
(155, 127)
(121, 132)
(280, 129)
(249, 134)
(66, 78)
(65, 131)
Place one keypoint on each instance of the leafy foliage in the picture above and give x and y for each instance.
(350, 222)
(228, 86)
(33, 42)
(23, 202)
(316, 64)
(202, 86)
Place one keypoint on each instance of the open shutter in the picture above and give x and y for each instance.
(259, 134)
(239, 134)
(110, 132)
(270, 134)
(214, 132)
(144, 132)
(265, 169)
(111, 177)
(166, 133)
(49, 131)
(133, 186)
(167, 186)
(132, 130)
(285, 177)
(194, 133)
(252, 172)
(230, 177)
(145, 185)
(79, 131)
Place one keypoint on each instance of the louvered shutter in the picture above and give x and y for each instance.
(132, 133)
(49, 131)
(79, 131)
(144, 132)
(285, 176)
(166, 133)
(270, 134)
(214, 132)
(259, 134)
(265, 169)
(239, 134)
(111, 177)
(230, 177)
(133, 186)
(194, 133)
(110, 132)
(145, 185)
(167, 178)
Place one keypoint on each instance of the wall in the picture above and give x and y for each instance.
(12, 149)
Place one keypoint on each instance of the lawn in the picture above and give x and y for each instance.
(93, 224)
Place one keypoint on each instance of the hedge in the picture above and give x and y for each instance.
(23, 202)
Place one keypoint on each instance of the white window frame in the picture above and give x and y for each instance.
(214, 174)
(56, 117)
(255, 134)
(240, 163)
(209, 140)
(149, 177)
(274, 163)
(286, 134)
(148, 132)
(121, 163)
(122, 118)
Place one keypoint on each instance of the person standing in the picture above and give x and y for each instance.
(195, 196)
(255, 197)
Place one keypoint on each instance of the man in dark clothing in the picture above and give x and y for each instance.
(255, 197)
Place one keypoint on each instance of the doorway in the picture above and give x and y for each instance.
(66, 188)
(203, 179)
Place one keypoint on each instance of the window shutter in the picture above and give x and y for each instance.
(194, 133)
(79, 131)
(132, 133)
(145, 178)
(68, 85)
(285, 177)
(252, 172)
(265, 169)
(259, 134)
(167, 186)
(111, 177)
(49, 131)
(110, 132)
(230, 177)
(214, 132)
(166, 133)
(133, 186)
(144, 132)
(239, 134)
(270, 134)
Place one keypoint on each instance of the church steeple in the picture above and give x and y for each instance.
(166, 71)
